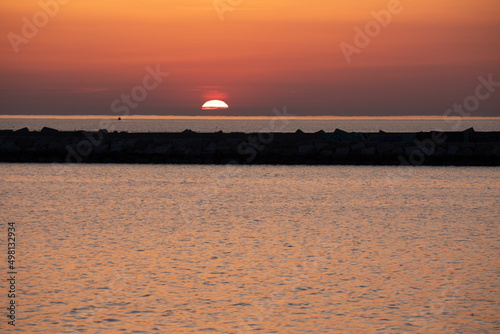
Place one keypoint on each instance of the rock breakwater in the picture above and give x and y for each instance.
(466, 148)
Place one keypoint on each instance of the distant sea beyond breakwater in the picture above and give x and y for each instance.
(465, 148)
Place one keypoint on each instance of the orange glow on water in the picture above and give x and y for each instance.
(310, 249)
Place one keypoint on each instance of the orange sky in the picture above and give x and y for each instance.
(263, 54)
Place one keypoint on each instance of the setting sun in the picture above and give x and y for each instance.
(214, 105)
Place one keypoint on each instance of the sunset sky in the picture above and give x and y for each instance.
(253, 54)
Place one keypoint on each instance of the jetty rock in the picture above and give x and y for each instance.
(459, 148)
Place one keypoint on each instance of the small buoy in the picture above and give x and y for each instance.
(119, 118)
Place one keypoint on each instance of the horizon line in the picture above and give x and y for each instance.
(112, 117)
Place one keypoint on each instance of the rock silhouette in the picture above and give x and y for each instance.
(466, 148)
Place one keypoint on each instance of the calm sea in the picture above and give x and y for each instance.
(252, 249)
(252, 124)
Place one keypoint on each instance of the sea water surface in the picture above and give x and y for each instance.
(244, 249)
(251, 124)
